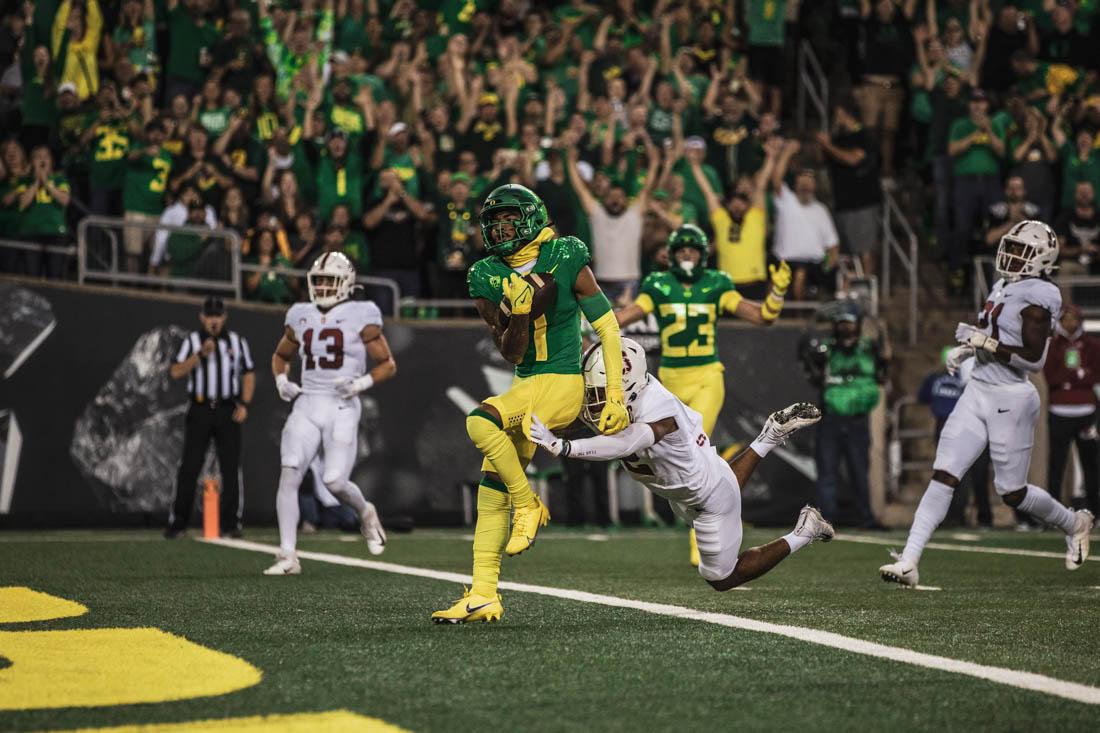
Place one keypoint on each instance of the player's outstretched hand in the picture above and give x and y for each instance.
(541, 435)
(780, 277)
(957, 356)
(288, 390)
(614, 418)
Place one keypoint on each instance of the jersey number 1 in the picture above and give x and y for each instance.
(333, 355)
(990, 316)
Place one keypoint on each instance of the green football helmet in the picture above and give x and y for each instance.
(687, 235)
(533, 218)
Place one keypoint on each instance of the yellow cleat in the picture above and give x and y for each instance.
(694, 554)
(525, 525)
(469, 609)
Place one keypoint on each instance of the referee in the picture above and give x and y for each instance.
(221, 379)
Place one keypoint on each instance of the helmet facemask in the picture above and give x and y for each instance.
(503, 236)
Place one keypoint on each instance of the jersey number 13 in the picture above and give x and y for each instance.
(331, 340)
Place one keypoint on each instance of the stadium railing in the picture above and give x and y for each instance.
(900, 242)
(813, 86)
(100, 261)
(1081, 290)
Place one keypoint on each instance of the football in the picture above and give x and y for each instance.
(546, 291)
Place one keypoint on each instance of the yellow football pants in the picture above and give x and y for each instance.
(701, 388)
(556, 399)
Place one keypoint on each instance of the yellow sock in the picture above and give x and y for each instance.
(490, 536)
(495, 445)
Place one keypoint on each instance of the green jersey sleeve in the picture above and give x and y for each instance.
(655, 287)
(480, 282)
(569, 258)
(720, 284)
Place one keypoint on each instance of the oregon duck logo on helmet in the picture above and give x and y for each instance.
(507, 236)
(687, 235)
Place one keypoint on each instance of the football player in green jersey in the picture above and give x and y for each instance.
(688, 298)
(539, 332)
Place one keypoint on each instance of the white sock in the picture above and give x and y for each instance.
(1041, 505)
(761, 448)
(930, 513)
(286, 509)
(350, 494)
(795, 542)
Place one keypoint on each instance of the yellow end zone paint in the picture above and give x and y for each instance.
(338, 721)
(20, 605)
(94, 667)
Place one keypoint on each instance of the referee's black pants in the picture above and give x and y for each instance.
(206, 421)
(1064, 432)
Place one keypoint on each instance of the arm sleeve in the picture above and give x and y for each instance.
(597, 309)
(185, 350)
(246, 356)
(636, 437)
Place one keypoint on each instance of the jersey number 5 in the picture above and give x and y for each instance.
(333, 355)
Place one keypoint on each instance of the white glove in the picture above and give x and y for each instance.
(972, 336)
(351, 387)
(541, 435)
(957, 356)
(288, 390)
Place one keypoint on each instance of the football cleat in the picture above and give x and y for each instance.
(693, 549)
(813, 526)
(1077, 544)
(902, 572)
(471, 608)
(783, 424)
(285, 565)
(371, 528)
(525, 525)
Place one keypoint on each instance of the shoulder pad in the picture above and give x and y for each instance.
(296, 311)
(572, 249)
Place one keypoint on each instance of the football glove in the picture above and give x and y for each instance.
(519, 293)
(957, 356)
(780, 277)
(972, 336)
(288, 390)
(541, 435)
(614, 417)
(351, 387)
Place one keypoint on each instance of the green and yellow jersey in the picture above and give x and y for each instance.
(554, 339)
(687, 313)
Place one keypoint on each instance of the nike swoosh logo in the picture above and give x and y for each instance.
(999, 410)
(477, 608)
(906, 572)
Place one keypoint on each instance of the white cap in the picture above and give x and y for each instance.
(67, 87)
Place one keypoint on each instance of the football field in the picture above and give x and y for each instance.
(600, 632)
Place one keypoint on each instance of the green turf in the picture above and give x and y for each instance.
(342, 637)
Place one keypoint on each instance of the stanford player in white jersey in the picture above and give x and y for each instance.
(334, 337)
(665, 449)
(999, 406)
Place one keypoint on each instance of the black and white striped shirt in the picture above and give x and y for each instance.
(217, 376)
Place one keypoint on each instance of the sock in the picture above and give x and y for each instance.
(795, 542)
(490, 536)
(761, 448)
(349, 493)
(1041, 505)
(930, 513)
(495, 445)
(286, 508)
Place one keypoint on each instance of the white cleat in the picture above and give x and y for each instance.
(285, 565)
(813, 526)
(902, 572)
(783, 424)
(1077, 544)
(371, 527)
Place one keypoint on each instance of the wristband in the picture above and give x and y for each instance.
(566, 449)
(281, 379)
(365, 382)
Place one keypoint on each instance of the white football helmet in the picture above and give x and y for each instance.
(1029, 249)
(330, 279)
(635, 379)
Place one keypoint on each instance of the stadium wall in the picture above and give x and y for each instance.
(91, 425)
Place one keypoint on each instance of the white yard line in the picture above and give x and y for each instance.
(960, 548)
(1013, 678)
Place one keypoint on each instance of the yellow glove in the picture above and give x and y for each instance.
(614, 417)
(781, 278)
(519, 293)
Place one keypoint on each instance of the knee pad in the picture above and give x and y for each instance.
(480, 424)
